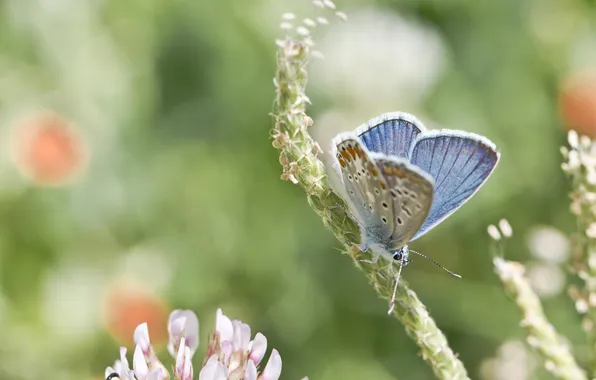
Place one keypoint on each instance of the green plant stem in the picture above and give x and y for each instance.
(541, 334)
(301, 166)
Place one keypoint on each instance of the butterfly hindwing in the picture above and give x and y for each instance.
(364, 184)
(411, 194)
(390, 133)
(459, 163)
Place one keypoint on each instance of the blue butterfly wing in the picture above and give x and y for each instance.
(459, 162)
(390, 133)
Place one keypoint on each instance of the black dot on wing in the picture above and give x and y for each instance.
(385, 205)
(370, 207)
(377, 192)
(384, 220)
(393, 193)
(399, 221)
(407, 210)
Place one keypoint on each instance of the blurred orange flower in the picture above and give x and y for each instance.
(48, 150)
(128, 305)
(577, 103)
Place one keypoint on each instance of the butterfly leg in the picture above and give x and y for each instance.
(392, 302)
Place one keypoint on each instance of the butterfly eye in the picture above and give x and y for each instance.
(397, 256)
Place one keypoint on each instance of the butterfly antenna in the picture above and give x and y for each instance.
(437, 264)
(392, 302)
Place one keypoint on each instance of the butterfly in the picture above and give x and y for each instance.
(402, 180)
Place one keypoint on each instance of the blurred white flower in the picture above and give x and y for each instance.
(546, 279)
(549, 244)
(231, 355)
(494, 233)
(505, 228)
(380, 60)
(512, 362)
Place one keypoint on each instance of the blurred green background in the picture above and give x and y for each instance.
(162, 191)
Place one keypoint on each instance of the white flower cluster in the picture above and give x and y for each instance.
(581, 166)
(231, 355)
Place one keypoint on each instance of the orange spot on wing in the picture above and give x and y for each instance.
(351, 151)
(399, 172)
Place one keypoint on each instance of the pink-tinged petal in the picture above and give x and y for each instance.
(179, 366)
(139, 364)
(251, 371)
(213, 370)
(183, 323)
(226, 350)
(141, 338)
(258, 347)
(158, 374)
(272, 370)
(175, 328)
(187, 371)
(241, 336)
(121, 366)
(109, 371)
(223, 325)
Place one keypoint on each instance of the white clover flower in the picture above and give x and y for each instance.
(231, 355)
(230, 348)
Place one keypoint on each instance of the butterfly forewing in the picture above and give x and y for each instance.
(390, 133)
(459, 162)
(411, 193)
(367, 188)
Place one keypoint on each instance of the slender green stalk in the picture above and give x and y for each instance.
(541, 334)
(298, 157)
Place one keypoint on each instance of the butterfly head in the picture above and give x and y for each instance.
(402, 256)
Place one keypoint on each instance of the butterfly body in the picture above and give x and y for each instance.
(402, 180)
